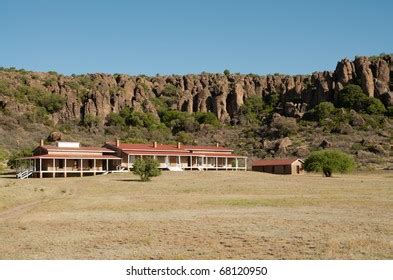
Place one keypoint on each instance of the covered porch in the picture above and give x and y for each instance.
(194, 162)
(61, 166)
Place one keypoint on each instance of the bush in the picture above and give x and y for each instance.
(115, 119)
(285, 127)
(252, 111)
(90, 120)
(51, 102)
(323, 110)
(170, 90)
(185, 138)
(389, 111)
(227, 72)
(15, 155)
(272, 100)
(160, 104)
(353, 97)
(329, 161)
(374, 106)
(206, 118)
(146, 168)
(179, 121)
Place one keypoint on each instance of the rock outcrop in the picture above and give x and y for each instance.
(101, 94)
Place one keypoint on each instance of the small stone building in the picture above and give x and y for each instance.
(279, 166)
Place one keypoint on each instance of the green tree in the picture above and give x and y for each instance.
(374, 106)
(90, 120)
(15, 155)
(227, 72)
(272, 100)
(328, 162)
(115, 119)
(253, 110)
(323, 110)
(146, 168)
(206, 118)
(352, 96)
(170, 90)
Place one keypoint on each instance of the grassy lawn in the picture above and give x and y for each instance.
(198, 215)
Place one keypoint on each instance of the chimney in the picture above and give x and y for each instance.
(117, 142)
(178, 145)
(42, 142)
(154, 144)
(217, 145)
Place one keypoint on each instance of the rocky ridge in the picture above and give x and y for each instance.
(100, 94)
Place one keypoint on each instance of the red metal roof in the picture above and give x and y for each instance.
(178, 153)
(267, 162)
(167, 147)
(142, 152)
(73, 157)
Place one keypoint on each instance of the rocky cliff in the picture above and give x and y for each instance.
(100, 94)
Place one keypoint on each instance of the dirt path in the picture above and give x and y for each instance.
(19, 210)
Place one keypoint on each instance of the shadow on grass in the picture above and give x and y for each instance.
(129, 180)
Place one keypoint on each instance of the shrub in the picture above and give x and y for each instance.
(115, 119)
(129, 117)
(323, 110)
(179, 121)
(206, 118)
(185, 137)
(374, 106)
(160, 104)
(15, 155)
(170, 90)
(329, 161)
(389, 111)
(285, 126)
(272, 100)
(146, 168)
(51, 102)
(353, 97)
(252, 111)
(90, 120)
(227, 72)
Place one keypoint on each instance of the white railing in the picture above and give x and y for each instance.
(24, 174)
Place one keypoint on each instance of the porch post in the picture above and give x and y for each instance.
(178, 157)
(245, 164)
(40, 167)
(94, 160)
(107, 165)
(166, 161)
(191, 162)
(53, 168)
(216, 163)
(65, 168)
(226, 163)
(236, 163)
(81, 167)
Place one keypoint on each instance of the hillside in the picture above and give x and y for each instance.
(261, 116)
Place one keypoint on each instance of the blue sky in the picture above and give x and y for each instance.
(179, 37)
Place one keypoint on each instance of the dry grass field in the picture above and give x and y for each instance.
(198, 215)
